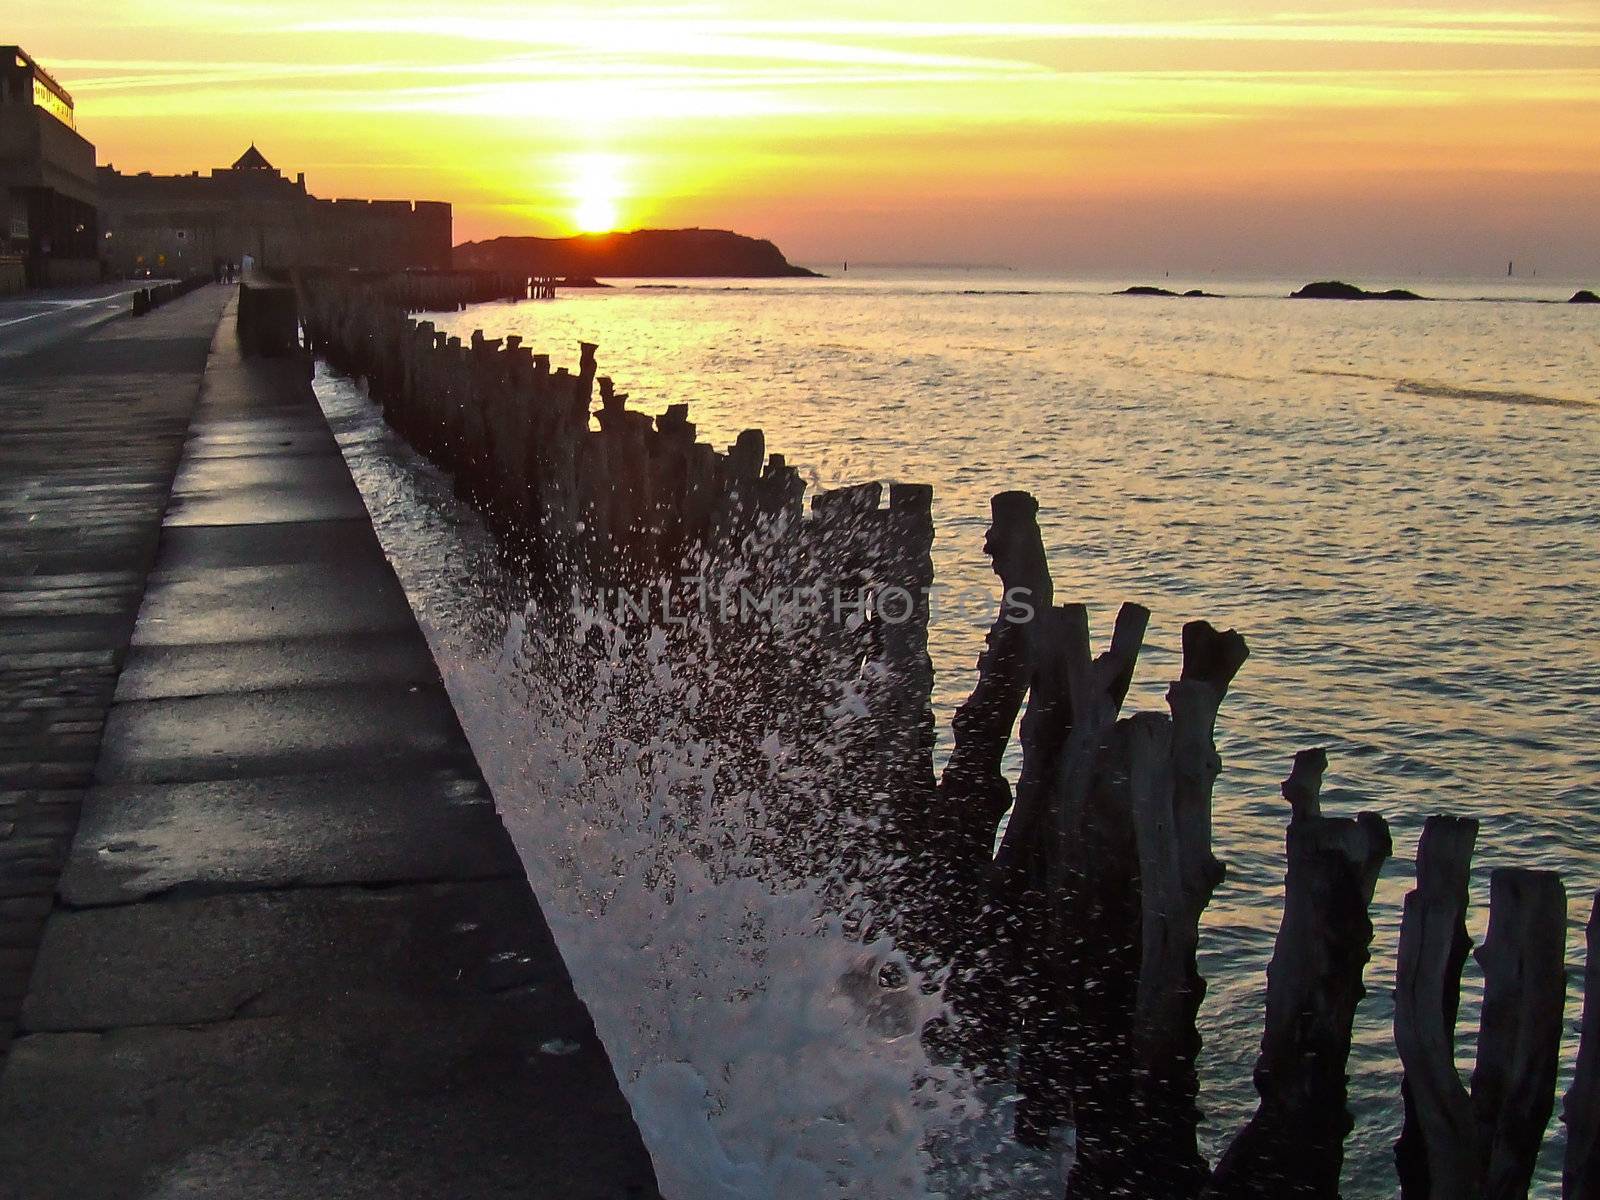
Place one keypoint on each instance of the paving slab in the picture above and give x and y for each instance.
(280, 732)
(321, 471)
(364, 1100)
(277, 953)
(154, 672)
(137, 841)
(283, 443)
(312, 600)
(255, 505)
(260, 433)
(197, 550)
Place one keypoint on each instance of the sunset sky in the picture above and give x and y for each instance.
(1262, 136)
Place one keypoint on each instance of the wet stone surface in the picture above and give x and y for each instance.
(93, 430)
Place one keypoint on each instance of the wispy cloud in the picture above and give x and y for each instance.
(841, 38)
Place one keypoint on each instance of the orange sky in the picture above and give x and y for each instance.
(1339, 137)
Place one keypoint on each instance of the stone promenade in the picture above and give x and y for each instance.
(263, 933)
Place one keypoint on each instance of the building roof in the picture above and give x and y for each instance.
(252, 160)
(25, 60)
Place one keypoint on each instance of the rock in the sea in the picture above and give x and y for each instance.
(1584, 296)
(1333, 289)
(1147, 290)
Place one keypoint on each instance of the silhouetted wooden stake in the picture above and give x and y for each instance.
(1038, 965)
(904, 578)
(962, 922)
(1053, 872)
(974, 791)
(1437, 1154)
(1059, 648)
(1211, 659)
(1294, 1145)
(1580, 1176)
(1524, 992)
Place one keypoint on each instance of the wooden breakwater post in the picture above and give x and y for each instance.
(1485, 1142)
(1294, 1145)
(1580, 1176)
(1071, 952)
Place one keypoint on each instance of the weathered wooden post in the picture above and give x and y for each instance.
(1523, 957)
(974, 792)
(1457, 1146)
(1580, 1176)
(962, 921)
(1178, 874)
(1294, 1145)
(1436, 1156)
(1065, 872)
(903, 577)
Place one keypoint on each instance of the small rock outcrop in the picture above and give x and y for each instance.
(1147, 290)
(1333, 289)
(1584, 296)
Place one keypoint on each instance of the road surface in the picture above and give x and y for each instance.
(33, 320)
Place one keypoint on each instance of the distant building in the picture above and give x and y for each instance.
(62, 220)
(189, 224)
(49, 230)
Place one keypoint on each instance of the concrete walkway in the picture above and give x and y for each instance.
(294, 954)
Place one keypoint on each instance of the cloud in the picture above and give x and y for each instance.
(845, 39)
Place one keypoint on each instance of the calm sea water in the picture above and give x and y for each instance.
(1397, 504)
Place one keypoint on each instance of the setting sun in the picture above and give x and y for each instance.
(596, 189)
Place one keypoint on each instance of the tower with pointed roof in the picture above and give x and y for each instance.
(253, 160)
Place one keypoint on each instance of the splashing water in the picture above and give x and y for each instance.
(746, 1015)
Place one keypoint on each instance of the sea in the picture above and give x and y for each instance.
(1397, 504)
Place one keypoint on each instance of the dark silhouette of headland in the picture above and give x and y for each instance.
(641, 253)
(1333, 289)
(1584, 296)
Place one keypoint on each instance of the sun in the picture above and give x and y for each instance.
(596, 188)
(595, 214)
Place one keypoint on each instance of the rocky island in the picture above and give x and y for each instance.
(1332, 289)
(1146, 290)
(640, 253)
